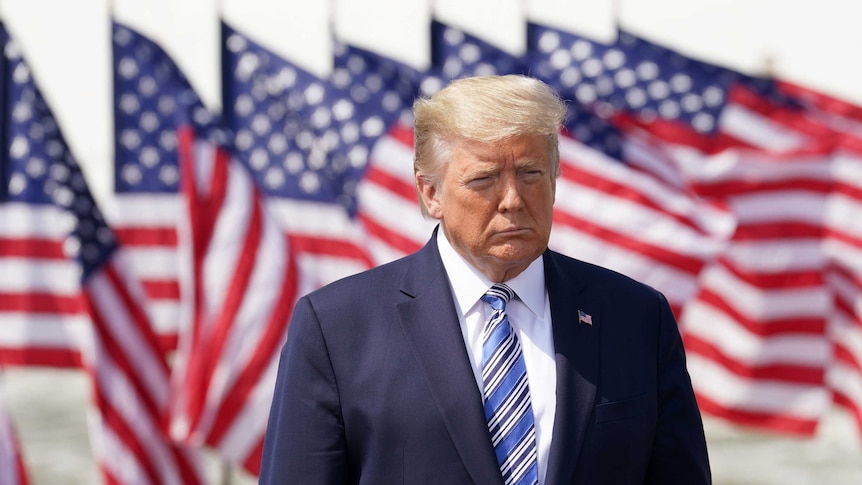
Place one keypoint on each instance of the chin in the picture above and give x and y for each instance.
(517, 254)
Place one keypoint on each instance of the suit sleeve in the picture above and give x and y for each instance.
(679, 453)
(304, 442)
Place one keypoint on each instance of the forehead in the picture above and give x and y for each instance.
(521, 148)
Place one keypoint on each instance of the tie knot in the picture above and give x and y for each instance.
(500, 294)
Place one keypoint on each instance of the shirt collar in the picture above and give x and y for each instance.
(469, 284)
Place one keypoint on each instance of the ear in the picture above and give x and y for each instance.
(430, 196)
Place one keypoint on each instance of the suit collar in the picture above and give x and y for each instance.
(429, 321)
(469, 284)
(576, 346)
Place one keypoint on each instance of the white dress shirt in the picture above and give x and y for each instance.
(530, 317)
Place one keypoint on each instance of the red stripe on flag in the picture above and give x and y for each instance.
(762, 420)
(168, 342)
(390, 236)
(30, 355)
(738, 187)
(146, 236)
(778, 231)
(765, 327)
(845, 355)
(850, 191)
(41, 302)
(686, 264)
(309, 244)
(392, 184)
(784, 279)
(32, 248)
(162, 289)
(837, 234)
(781, 372)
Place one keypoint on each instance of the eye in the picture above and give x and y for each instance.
(480, 181)
(480, 176)
(531, 175)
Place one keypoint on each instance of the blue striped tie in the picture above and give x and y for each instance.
(507, 394)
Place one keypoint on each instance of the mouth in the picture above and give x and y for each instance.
(513, 230)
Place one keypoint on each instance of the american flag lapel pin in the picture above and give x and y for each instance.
(584, 317)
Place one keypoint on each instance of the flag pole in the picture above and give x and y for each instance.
(616, 12)
(769, 66)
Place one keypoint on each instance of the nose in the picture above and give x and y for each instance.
(510, 195)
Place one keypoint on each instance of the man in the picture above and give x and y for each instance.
(414, 372)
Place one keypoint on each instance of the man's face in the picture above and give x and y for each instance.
(495, 202)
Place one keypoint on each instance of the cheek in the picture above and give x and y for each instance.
(540, 198)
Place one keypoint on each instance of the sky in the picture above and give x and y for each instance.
(67, 43)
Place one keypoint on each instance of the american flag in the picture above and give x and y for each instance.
(750, 112)
(843, 247)
(243, 278)
(609, 78)
(43, 322)
(307, 140)
(757, 326)
(72, 292)
(756, 331)
(155, 111)
(246, 281)
(12, 470)
(843, 244)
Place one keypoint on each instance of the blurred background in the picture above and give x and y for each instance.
(777, 365)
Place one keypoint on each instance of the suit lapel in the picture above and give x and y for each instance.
(432, 329)
(576, 346)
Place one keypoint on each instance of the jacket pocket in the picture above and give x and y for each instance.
(627, 408)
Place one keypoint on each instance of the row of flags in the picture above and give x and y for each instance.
(69, 296)
(736, 196)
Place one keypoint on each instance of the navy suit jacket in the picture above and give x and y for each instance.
(375, 386)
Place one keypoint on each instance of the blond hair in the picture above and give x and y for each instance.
(484, 109)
